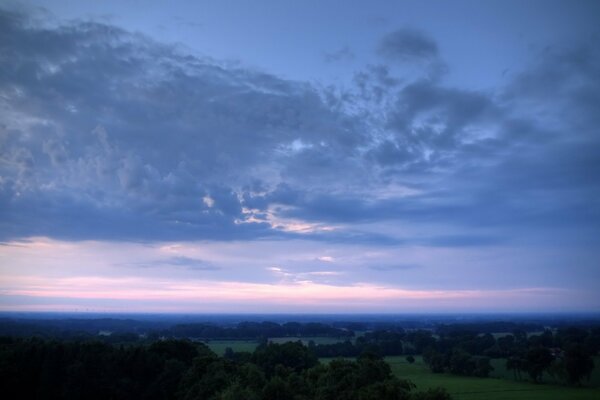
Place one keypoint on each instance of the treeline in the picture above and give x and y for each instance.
(76, 327)
(254, 331)
(385, 343)
(180, 369)
(567, 354)
(128, 330)
(454, 354)
(490, 327)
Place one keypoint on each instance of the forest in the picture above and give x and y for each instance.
(291, 360)
(179, 369)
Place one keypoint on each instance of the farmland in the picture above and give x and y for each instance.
(459, 347)
(500, 384)
(219, 346)
(473, 388)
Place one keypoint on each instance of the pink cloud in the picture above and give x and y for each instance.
(296, 294)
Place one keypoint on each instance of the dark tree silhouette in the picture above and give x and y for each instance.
(537, 360)
(578, 364)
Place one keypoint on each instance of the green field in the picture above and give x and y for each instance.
(219, 346)
(500, 386)
(471, 388)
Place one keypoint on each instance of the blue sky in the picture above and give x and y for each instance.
(306, 157)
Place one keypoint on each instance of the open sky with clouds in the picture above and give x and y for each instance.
(231, 156)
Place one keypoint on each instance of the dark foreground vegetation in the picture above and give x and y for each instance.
(113, 358)
(180, 369)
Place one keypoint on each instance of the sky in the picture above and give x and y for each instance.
(300, 157)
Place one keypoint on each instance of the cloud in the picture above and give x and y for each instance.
(407, 45)
(393, 267)
(194, 264)
(109, 135)
(305, 277)
(342, 54)
(327, 259)
(141, 294)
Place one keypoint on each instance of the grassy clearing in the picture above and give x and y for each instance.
(219, 346)
(471, 388)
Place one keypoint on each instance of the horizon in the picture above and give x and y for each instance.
(221, 158)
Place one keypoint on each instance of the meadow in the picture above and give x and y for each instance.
(499, 386)
(219, 346)
(473, 388)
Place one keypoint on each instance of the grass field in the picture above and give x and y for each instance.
(500, 386)
(219, 346)
(471, 388)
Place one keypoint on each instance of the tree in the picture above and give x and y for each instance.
(578, 364)
(291, 355)
(338, 380)
(536, 361)
(391, 389)
(181, 350)
(434, 360)
(483, 367)
(372, 368)
(166, 384)
(277, 389)
(229, 354)
(515, 364)
(461, 363)
(237, 392)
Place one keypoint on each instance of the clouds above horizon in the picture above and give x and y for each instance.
(110, 136)
(111, 127)
(304, 276)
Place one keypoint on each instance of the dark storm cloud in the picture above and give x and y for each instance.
(407, 45)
